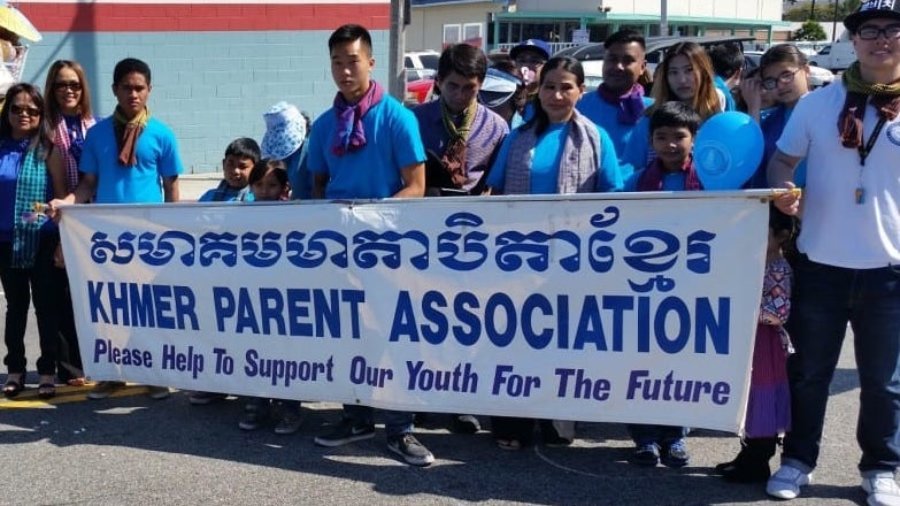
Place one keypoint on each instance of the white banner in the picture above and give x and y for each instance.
(626, 308)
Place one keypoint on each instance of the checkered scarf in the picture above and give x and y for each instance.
(31, 187)
(63, 139)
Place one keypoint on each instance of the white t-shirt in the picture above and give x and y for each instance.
(836, 229)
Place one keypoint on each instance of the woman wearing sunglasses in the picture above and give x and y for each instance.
(783, 78)
(69, 117)
(27, 239)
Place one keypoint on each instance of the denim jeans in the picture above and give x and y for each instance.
(662, 435)
(396, 423)
(825, 299)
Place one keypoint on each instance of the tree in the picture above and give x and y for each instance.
(810, 30)
(826, 12)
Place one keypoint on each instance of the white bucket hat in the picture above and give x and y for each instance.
(285, 131)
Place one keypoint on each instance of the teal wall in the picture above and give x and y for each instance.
(210, 87)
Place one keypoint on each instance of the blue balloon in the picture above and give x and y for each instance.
(727, 150)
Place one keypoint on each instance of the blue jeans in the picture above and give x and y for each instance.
(396, 423)
(824, 299)
(662, 435)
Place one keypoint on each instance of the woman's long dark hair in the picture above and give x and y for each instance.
(41, 138)
(540, 121)
(54, 114)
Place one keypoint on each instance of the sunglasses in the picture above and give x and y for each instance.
(67, 85)
(29, 111)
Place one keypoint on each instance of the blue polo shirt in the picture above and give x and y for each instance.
(373, 172)
(157, 157)
(546, 160)
(606, 116)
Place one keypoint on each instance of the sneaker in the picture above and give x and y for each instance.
(253, 419)
(344, 433)
(675, 454)
(786, 482)
(158, 393)
(104, 389)
(204, 398)
(290, 422)
(646, 455)
(465, 424)
(412, 451)
(882, 489)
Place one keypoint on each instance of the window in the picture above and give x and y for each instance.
(452, 34)
(473, 33)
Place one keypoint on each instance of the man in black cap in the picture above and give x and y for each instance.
(850, 249)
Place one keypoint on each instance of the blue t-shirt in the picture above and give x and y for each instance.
(225, 193)
(157, 157)
(671, 182)
(722, 86)
(772, 124)
(606, 116)
(547, 155)
(298, 174)
(393, 143)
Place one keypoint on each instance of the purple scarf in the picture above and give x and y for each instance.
(630, 104)
(350, 136)
(651, 180)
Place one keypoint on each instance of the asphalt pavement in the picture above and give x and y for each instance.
(136, 451)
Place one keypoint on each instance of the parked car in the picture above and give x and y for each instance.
(836, 56)
(421, 67)
(421, 64)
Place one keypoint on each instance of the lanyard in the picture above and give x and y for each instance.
(865, 150)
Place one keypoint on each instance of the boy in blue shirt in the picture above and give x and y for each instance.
(129, 157)
(672, 129)
(240, 158)
(367, 146)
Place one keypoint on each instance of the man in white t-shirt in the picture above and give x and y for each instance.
(849, 267)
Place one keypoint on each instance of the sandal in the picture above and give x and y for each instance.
(509, 444)
(77, 382)
(13, 388)
(46, 391)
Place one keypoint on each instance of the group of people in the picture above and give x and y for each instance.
(526, 126)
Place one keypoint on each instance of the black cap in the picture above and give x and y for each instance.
(872, 9)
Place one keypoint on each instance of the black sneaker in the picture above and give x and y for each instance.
(412, 451)
(646, 455)
(344, 433)
(204, 398)
(675, 454)
(253, 420)
(464, 424)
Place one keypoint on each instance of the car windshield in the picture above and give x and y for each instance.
(430, 61)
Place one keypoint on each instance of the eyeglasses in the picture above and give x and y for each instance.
(872, 32)
(28, 111)
(770, 83)
(67, 85)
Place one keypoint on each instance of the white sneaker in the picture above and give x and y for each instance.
(786, 482)
(882, 489)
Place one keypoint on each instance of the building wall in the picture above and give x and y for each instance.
(766, 10)
(426, 29)
(216, 67)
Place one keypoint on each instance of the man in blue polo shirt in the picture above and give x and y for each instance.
(129, 157)
(619, 103)
(367, 146)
